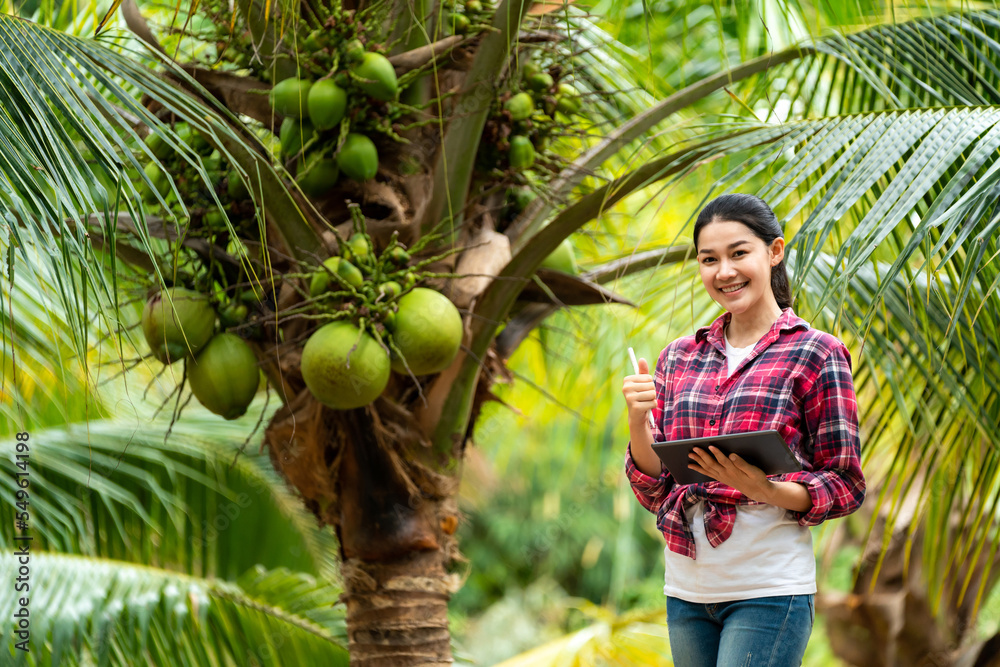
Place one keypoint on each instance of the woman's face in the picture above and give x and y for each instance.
(736, 266)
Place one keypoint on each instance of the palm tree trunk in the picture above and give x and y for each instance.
(888, 618)
(396, 547)
(397, 611)
(395, 520)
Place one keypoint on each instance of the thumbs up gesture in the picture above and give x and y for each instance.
(640, 394)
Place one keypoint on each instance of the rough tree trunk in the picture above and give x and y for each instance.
(397, 546)
(395, 519)
(892, 623)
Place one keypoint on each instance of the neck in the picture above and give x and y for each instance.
(746, 328)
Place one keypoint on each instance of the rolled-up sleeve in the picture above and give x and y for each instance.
(652, 491)
(835, 481)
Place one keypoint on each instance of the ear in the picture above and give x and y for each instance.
(777, 250)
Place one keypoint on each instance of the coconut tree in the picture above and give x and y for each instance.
(343, 183)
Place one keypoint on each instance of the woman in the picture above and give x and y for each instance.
(740, 570)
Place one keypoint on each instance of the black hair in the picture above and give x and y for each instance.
(753, 212)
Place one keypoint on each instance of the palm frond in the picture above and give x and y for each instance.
(99, 611)
(117, 489)
(933, 436)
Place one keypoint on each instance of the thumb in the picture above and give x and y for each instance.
(643, 367)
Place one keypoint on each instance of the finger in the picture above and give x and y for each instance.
(718, 455)
(700, 457)
(643, 367)
(703, 471)
(744, 467)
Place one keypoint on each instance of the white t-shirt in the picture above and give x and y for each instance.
(736, 355)
(767, 554)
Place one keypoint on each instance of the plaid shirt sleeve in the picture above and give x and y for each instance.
(652, 491)
(834, 480)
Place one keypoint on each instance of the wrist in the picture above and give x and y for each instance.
(768, 493)
(641, 422)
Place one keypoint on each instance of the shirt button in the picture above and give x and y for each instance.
(711, 423)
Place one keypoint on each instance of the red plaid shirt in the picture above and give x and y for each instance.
(797, 381)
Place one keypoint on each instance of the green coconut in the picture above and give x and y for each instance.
(521, 197)
(377, 76)
(540, 81)
(460, 23)
(399, 256)
(160, 149)
(360, 245)
(318, 176)
(215, 220)
(289, 97)
(354, 51)
(350, 273)
(520, 106)
(193, 138)
(568, 99)
(161, 183)
(321, 279)
(224, 376)
(390, 289)
(177, 323)
(358, 157)
(327, 104)
(427, 331)
(522, 152)
(233, 314)
(235, 186)
(343, 367)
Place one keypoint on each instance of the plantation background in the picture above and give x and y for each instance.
(559, 558)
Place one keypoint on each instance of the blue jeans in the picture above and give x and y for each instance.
(762, 632)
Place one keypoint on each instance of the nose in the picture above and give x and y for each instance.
(726, 270)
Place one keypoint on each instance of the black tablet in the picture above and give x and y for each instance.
(765, 449)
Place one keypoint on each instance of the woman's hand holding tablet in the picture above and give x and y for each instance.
(758, 454)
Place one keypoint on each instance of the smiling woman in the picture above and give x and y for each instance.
(740, 572)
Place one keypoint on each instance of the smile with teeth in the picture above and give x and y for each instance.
(734, 288)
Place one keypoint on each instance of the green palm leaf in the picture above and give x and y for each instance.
(41, 369)
(117, 489)
(934, 436)
(104, 612)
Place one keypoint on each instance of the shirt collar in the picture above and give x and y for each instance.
(713, 333)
